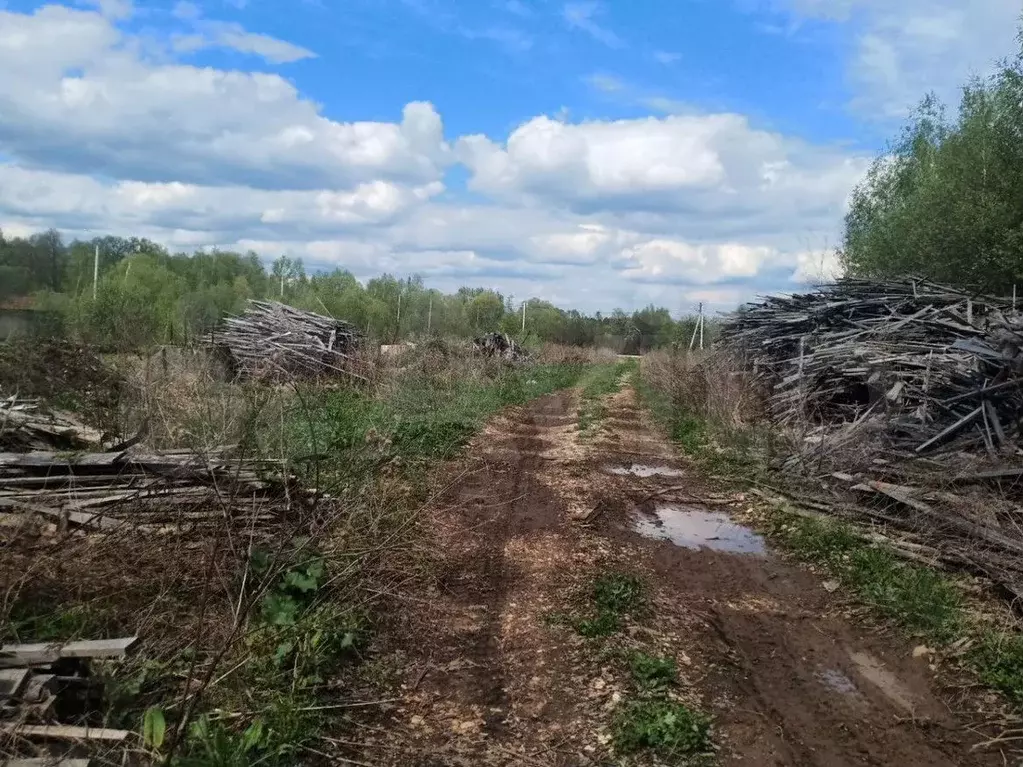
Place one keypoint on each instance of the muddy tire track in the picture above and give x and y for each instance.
(531, 513)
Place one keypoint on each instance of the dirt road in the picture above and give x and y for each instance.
(529, 517)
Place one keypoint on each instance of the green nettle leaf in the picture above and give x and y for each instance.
(301, 581)
(306, 579)
(259, 561)
(154, 727)
(283, 652)
(280, 610)
(253, 736)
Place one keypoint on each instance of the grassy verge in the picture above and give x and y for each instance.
(928, 605)
(598, 382)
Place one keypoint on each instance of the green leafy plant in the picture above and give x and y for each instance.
(669, 729)
(604, 624)
(652, 672)
(154, 728)
(618, 593)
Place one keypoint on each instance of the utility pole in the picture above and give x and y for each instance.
(697, 329)
(523, 317)
(701, 325)
(95, 273)
(429, 316)
(397, 332)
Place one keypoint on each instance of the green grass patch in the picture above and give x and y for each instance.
(595, 384)
(998, 660)
(351, 432)
(671, 730)
(612, 597)
(652, 672)
(921, 600)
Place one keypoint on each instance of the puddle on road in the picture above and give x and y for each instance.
(642, 470)
(873, 670)
(835, 680)
(696, 528)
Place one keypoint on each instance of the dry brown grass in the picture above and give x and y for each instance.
(711, 386)
(560, 353)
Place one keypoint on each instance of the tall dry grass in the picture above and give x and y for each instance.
(711, 386)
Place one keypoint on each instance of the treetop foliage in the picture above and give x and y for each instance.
(946, 200)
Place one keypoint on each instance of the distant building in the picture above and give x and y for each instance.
(20, 318)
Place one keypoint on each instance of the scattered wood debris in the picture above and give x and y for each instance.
(499, 345)
(48, 692)
(930, 367)
(276, 342)
(104, 490)
(26, 425)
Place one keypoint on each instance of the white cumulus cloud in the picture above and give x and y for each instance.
(77, 97)
(905, 49)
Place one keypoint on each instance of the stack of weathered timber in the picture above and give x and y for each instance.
(276, 342)
(25, 425)
(147, 491)
(499, 345)
(49, 692)
(928, 366)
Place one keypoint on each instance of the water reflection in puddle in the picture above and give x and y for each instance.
(837, 681)
(695, 528)
(642, 470)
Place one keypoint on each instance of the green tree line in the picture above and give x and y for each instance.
(145, 295)
(946, 200)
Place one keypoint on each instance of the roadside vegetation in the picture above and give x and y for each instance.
(252, 634)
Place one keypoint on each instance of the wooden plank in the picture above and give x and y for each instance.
(74, 517)
(64, 732)
(45, 459)
(41, 653)
(11, 680)
(951, 429)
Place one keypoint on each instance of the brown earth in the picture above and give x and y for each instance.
(529, 517)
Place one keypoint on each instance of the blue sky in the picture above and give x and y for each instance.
(597, 154)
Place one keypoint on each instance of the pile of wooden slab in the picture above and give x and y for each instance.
(148, 491)
(48, 692)
(499, 345)
(277, 342)
(928, 366)
(26, 425)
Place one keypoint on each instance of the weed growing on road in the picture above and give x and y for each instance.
(671, 730)
(652, 672)
(598, 382)
(613, 596)
(618, 593)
